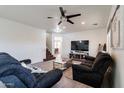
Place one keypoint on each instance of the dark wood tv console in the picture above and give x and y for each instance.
(77, 56)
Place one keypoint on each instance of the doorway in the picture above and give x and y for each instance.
(57, 45)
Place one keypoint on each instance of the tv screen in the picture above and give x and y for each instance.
(82, 45)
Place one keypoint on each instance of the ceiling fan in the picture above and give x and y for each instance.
(66, 17)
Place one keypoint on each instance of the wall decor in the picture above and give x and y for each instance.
(115, 28)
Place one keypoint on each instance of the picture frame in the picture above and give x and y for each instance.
(114, 27)
(115, 32)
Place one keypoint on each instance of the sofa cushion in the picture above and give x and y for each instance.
(2, 85)
(7, 59)
(48, 79)
(11, 66)
(102, 60)
(22, 73)
(12, 81)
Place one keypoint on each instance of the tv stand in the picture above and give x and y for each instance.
(78, 55)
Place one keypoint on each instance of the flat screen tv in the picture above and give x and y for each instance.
(82, 45)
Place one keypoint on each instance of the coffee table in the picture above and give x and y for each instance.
(62, 64)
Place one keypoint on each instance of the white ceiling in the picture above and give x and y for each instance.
(36, 15)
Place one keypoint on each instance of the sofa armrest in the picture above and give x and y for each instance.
(26, 61)
(87, 64)
(86, 76)
(48, 79)
(81, 68)
(89, 58)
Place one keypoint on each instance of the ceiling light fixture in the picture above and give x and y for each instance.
(95, 24)
(58, 30)
(82, 23)
(64, 27)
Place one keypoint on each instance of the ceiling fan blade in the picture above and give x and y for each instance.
(70, 21)
(62, 11)
(75, 15)
(49, 17)
(59, 22)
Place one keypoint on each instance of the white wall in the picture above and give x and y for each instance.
(49, 41)
(118, 56)
(22, 41)
(94, 36)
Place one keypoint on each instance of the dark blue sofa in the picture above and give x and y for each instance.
(16, 76)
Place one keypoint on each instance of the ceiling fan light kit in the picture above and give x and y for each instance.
(58, 30)
(67, 17)
(83, 23)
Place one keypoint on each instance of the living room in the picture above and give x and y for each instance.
(27, 31)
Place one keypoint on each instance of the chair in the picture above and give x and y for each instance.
(93, 75)
(89, 60)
